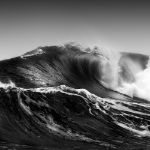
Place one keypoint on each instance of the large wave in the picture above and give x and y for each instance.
(68, 97)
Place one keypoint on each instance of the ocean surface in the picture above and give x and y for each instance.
(73, 98)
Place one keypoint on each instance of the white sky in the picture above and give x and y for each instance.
(22, 30)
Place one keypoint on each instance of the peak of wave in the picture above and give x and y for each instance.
(34, 52)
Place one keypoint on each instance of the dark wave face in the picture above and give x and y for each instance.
(63, 98)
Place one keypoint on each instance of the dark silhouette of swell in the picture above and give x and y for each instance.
(54, 98)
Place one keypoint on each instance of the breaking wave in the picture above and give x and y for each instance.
(68, 97)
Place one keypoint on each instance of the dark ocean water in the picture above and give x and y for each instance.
(53, 98)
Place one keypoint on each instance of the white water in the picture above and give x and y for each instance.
(141, 86)
(37, 51)
(10, 84)
(111, 77)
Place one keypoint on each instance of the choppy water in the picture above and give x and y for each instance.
(53, 98)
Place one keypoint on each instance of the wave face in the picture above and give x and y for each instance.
(63, 97)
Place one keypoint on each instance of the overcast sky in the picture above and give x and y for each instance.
(118, 25)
